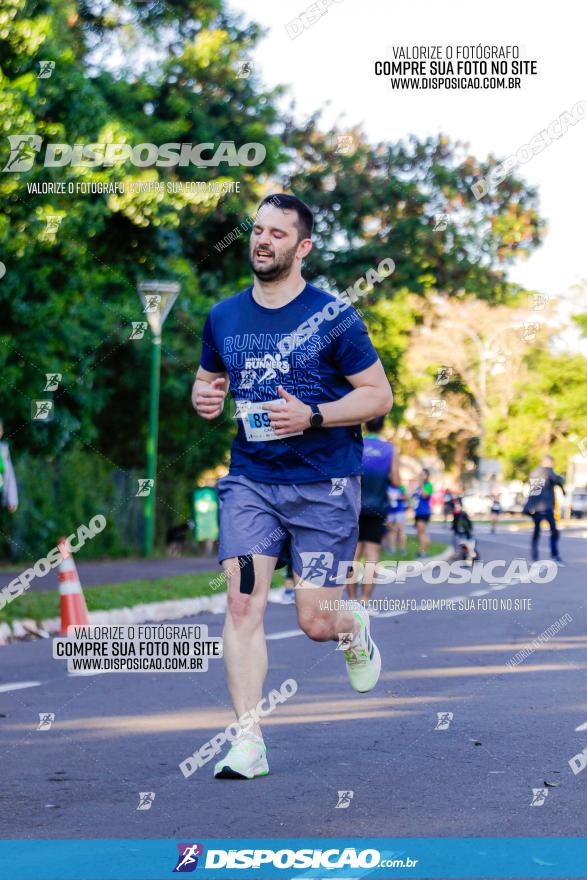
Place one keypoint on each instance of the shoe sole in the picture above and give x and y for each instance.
(376, 660)
(229, 773)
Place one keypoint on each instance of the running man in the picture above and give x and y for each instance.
(423, 511)
(296, 459)
(380, 468)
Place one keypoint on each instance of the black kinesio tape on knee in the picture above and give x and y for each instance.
(245, 563)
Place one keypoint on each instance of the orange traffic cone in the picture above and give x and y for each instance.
(71, 596)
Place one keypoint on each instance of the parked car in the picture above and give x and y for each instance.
(579, 503)
(476, 504)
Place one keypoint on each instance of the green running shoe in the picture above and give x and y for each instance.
(246, 759)
(363, 660)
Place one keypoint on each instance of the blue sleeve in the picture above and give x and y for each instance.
(353, 349)
(210, 359)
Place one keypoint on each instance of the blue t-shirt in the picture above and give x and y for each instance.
(257, 347)
(422, 496)
(377, 456)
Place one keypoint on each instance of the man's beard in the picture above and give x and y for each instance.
(275, 270)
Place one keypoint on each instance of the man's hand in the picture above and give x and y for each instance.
(13, 508)
(209, 398)
(291, 418)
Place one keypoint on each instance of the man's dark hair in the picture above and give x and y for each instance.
(374, 426)
(305, 221)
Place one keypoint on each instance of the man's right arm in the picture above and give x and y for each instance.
(208, 393)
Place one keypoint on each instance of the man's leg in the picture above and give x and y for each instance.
(554, 534)
(245, 650)
(422, 536)
(537, 517)
(392, 535)
(372, 553)
(353, 588)
(322, 619)
(321, 612)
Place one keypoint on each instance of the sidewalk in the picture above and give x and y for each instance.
(94, 574)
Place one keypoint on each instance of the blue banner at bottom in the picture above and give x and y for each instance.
(385, 858)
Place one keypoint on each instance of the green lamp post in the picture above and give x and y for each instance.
(157, 298)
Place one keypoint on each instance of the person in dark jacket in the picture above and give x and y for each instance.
(540, 505)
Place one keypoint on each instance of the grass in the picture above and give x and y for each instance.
(37, 606)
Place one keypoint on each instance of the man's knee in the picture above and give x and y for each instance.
(317, 626)
(243, 609)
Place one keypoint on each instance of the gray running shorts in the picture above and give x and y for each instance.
(316, 522)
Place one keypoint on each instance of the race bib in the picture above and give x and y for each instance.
(256, 422)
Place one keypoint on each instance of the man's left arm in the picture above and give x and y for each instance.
(371, 396)
(558, 480)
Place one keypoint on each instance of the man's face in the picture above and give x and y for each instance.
(275, 243)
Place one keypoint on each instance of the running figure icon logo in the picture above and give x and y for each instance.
(345, 640)
(338, 485)
(146, 799)
(187, 860)
(53, 380)
(46, 719)
(444, 375)
(23, 150)
(145, 486)
(344, 800)
(345, 145)
(539, 795)
(138, 329)
(440, 222)
(316, 567)
(444, 719)
(46, 68)
(152, 303)
(42, 410)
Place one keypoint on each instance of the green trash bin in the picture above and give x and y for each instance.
(205, 505)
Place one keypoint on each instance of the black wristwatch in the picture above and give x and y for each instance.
(316, 419)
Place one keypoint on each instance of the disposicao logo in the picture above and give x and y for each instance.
(24, 149)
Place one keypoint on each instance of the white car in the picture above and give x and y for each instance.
(578, 503)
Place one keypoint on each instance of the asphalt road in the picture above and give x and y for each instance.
(512, 730)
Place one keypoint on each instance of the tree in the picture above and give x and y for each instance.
(467, 360)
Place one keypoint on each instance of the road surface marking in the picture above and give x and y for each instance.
(286, 634)
(581, 727)
(18, 686)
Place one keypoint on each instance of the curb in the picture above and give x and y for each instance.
(149, 612)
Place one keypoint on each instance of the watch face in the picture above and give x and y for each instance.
(316, 420)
